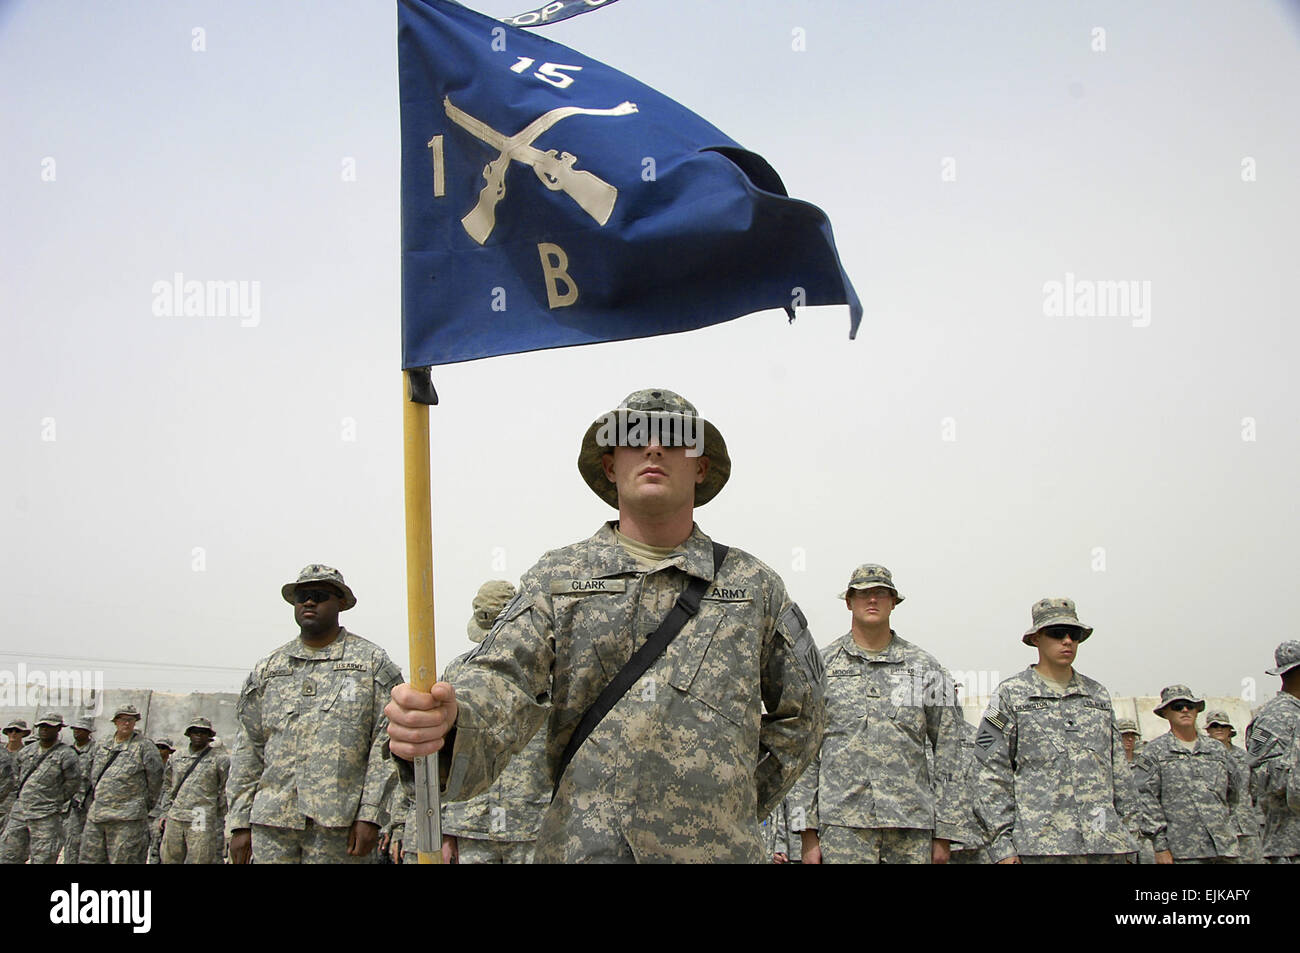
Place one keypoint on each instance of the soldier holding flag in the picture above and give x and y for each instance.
(697, 742)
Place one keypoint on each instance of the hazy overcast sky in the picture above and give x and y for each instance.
(163, 475)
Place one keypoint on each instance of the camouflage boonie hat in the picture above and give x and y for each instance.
(1127, 726)
(870, 576)
(1178, 693)
(51, 718)
(1219, 717)
(18, 725)
(318, 573)
(671, 412)
(1287, 657)
(491, 598)
(203, 724)
(164, 743)
(85, 722)
(1048, 612)
(125, 710)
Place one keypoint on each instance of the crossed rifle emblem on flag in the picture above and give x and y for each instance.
(593, 194)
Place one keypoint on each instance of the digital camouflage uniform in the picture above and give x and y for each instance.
(968, 843)
(1250, 819)
(308, 759)
(8, 782)
(1270, 741)
(157, 813)
(702, 747)
(6, 800)
(500, 825)
(1053, 781)
(871, 774)
(1188, 800)
(194, 803)
(46, 779)
(778, 837)
(74, 821)
(1145, 852)
(121, 789)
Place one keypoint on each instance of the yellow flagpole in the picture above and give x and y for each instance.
(419, 605)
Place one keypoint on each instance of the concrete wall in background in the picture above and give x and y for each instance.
(162, 714)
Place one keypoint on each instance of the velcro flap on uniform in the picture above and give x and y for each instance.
(582, 587)
(728, 594)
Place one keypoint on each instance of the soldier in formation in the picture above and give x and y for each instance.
(1271, 743)
(969, 845)
(1053, 783)
(869, 796)
(74, 818)
(500, 825)
(124, 784)
(193, 805)
(1250, 821)
(165, 750)
(691, 748)
(308, 773)
(47, 775)
(14, 733)
(1189, 792)
(1130, 736)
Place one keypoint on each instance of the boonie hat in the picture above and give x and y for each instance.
(1178, 693)
(1287, 657)
(203, 724)
(490, 599)
(653, 412)
(870, 576)
(319, 573)
(1220, 717)
(1048, 612)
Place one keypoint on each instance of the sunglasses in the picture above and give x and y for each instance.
(313, 595)
(1181, 706)
(1060, 632)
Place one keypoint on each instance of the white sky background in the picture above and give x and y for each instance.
(1071, 433)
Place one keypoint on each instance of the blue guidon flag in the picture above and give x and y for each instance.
(548, 200)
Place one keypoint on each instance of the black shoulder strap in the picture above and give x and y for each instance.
(112, 756)
(188, 771)
(27, 777)
(687, 604)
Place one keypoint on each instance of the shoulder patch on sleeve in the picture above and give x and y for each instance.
(794, 626)
(1143, 767)
(991, 735)
(1260, 742)
(388, 673)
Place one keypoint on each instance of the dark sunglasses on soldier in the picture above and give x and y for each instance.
(1181, 706)
(313, 595)
(1060, 632)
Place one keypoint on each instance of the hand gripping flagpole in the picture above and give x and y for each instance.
(417, 395)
